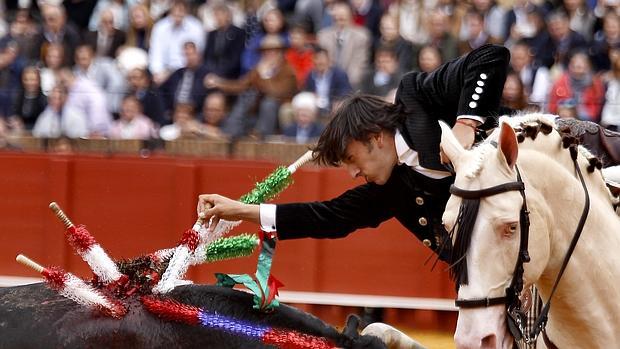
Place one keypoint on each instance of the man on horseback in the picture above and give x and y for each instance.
(395, 147)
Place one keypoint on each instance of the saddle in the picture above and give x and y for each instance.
(601, 142)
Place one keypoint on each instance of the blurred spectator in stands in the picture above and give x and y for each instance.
(119, 10)
(184, 124)
(608, 37)
(267, 86)
(305, 128)
(159, 8)
(567, 109)
(390, 38)
(206, 14)
(429, 58)
(62, 146)
(103, 72)
(493, 21)
(11, 66)
(132, 124)
(535, 78)
(252, 24)
(299, 55)
(348, 44)
(23, 30)
(140, 85)
(367, 13)
(105, 40)
(78, 12)
(214, 114)
(168, 37)
(140, 26)
(563, 39)
(56, 30)
(85, 96)
(329, 83)
(518, 23)
(610, 116)
(60, 119)
(385, 75)
(4, 25)
(581, 17)
(309, 12)
(5, 141)
(225, 44)
(30, 101)
(581, 85)
(476, 35)
(411, 19)
(272, 24)
(440, 36)
(513, 95)
(53, 58)
(186, 85)
(539, 42)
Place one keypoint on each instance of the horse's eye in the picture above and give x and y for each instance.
(510, 229)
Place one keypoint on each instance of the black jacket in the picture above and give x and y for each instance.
(225, 60)
(417, 201)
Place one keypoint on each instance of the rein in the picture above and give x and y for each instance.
(516, 318)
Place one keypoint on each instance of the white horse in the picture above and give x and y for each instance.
(585, 309)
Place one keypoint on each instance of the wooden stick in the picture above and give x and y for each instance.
(29, 263)
(304, 159)
(61, 215)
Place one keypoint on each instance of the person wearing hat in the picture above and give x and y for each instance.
(261, 91)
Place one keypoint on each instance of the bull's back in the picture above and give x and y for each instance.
(33, 316)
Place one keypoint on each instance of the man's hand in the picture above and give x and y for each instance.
(220, 207)
(465, 131)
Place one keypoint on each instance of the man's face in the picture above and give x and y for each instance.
(373, 160)
(177, 13)
(321, 62)
(520, 57)
(192, 57)
(558, 28)
(83, 57)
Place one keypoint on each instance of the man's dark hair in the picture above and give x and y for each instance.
(358, 118)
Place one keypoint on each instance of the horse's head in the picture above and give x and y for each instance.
(484, 216)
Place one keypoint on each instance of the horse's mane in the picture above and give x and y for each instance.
(553, 139)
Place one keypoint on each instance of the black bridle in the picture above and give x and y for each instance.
(516, 317)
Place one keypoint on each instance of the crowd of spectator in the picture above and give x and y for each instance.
(273, 69)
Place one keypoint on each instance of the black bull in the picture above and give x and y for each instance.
(33, 316)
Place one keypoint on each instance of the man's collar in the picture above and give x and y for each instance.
(401, 146)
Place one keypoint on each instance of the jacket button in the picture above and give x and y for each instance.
(426, 242)
(423, 222)
(419, 200)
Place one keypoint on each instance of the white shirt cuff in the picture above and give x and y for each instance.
(480, 119)
(267, 217)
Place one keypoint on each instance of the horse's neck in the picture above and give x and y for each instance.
(585, 306)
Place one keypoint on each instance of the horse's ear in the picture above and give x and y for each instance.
(508, 145)
(451, 146)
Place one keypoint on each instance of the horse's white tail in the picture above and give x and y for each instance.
(393, 338)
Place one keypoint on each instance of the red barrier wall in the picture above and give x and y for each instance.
(137, 205)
